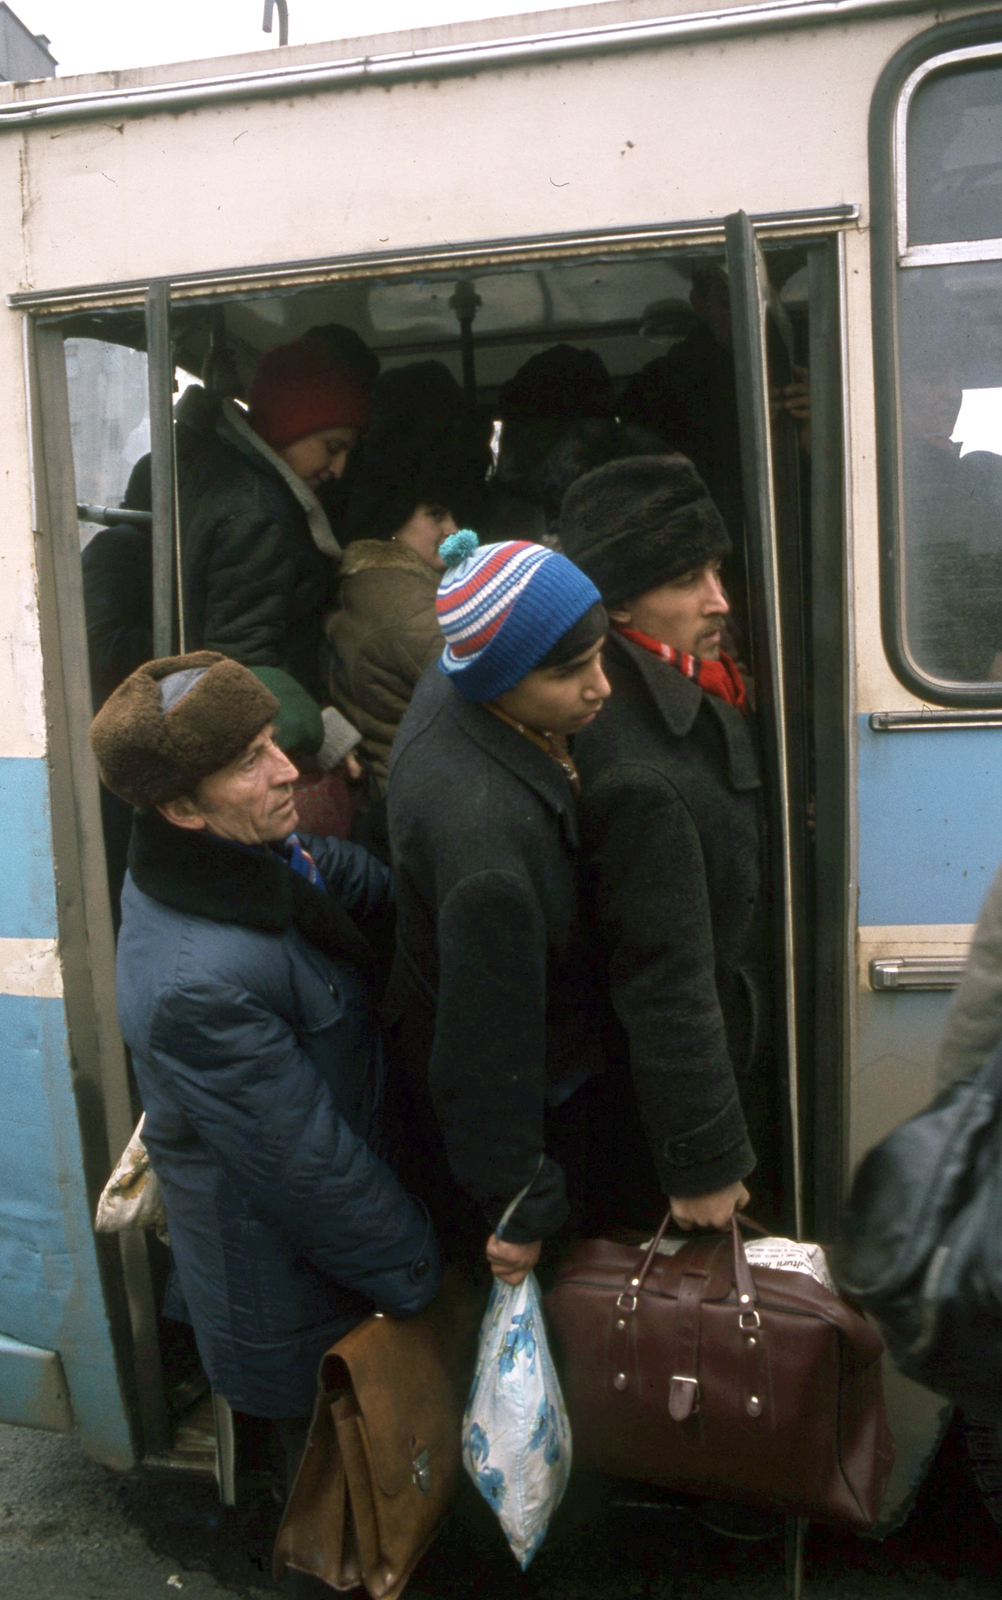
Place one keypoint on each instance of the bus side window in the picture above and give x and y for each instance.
(947, 288)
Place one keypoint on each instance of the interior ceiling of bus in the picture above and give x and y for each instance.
(628, 310)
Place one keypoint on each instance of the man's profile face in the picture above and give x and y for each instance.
(248, 801)
(687, 612)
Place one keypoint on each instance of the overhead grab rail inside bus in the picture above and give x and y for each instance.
(439, 61)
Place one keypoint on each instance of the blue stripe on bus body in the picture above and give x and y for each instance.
(930, 823)
(50, 1285)
(28, 893)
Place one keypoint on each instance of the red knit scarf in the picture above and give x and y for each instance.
(716, 677)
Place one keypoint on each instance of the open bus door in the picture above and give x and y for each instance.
(799, 576)
(763, 363)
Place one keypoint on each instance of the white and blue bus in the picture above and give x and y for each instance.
(841, 162)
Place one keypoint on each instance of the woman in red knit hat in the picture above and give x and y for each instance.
(258, 553)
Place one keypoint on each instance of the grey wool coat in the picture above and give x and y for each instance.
(974, 1021)
(672, 843)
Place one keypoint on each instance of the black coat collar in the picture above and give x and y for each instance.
(679, 702)
(538, 771)
(202, 876)
(437, 697)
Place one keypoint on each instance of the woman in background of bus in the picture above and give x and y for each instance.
(258, 553)
(422, 472)
(491, 1005)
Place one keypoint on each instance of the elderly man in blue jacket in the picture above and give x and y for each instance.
(244, 995)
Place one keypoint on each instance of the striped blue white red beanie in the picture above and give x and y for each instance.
(502, 607)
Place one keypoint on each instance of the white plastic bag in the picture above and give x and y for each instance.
(516, 1433)
(131, 1197)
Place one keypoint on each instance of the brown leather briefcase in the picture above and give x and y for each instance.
(383, 1453)
(700, 1373)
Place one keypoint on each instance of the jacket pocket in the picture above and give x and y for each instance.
(752, 993)
(324, 994)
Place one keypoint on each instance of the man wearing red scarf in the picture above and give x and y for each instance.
(672, 840)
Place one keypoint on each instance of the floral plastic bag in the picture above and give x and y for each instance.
(516, 1433)
(131, 1198)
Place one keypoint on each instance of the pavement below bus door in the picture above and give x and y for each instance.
(71, 1530)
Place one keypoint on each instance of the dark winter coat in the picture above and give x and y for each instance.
(259, 1065)
(483, 829)
(672, 844)
(257, 556)
(117, 566)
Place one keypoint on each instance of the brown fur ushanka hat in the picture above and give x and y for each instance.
(154, 742)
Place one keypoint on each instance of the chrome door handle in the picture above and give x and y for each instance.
(917, 972)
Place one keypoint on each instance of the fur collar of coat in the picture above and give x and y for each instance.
(200, 875)
(385, 555)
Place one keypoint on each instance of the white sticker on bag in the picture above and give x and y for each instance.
(781, 1255)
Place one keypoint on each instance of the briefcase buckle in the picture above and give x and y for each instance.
(678, 1377)
(422, 1473)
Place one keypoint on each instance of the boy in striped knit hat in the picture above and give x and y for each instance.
(492, 1004)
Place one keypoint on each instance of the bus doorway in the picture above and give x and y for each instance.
(624, 304)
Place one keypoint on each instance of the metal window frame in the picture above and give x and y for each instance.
(951, 251)
(86, 938)
(967, 38)
(425, 260)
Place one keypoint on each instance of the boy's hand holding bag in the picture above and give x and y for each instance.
(516, 1436)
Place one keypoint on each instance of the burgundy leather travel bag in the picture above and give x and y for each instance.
(700, 1373)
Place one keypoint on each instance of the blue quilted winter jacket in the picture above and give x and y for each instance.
(260, 1071)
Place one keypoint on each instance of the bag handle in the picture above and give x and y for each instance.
(513, 1205)
(744, 1283)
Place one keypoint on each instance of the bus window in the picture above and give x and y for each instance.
(109, 420)
(951, 353)
(937, 326)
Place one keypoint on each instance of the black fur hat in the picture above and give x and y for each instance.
(175, 721)
(417, 460)
(637, 523)
(587, 445)
(560, 382)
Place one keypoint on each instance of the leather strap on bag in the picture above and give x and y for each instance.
(753, 1349)
(683, 1397)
